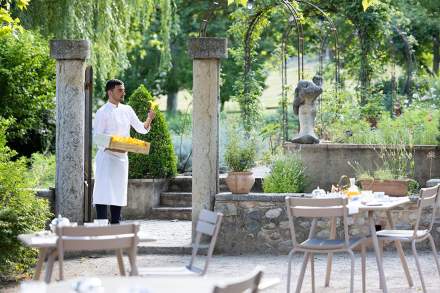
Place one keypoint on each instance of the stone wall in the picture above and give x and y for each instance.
(142, 196)
(325, 163)
(258, 223)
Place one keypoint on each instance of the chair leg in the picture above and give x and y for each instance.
(329, 269)
(434, 250)
(419, 268)
(132, 259)
(381, 245)
(301, 274)
(352, 270)
(289, 269)
(312, 270)
(120, 262)
(363, 255)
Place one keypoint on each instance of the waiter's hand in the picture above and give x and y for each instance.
(150, 118)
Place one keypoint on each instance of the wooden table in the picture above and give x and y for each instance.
(156, 284)
(356, 207)
(45, 242)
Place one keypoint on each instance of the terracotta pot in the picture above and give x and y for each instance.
(393, 187)
(240, 182)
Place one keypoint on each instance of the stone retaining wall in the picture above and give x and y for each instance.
(258, 223)
(325, 163)
(142, 196)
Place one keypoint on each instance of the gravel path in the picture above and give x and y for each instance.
(276, 266)
(177, 234)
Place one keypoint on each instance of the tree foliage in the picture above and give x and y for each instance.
(115, 28)
(27, 91)
(9, 24)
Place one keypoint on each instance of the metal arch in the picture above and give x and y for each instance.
(284, 123)
(251, 26)
(207, 17)
(333, 27)
(284, 81)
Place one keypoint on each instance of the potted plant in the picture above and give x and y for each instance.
(393, 176)
(240, 158)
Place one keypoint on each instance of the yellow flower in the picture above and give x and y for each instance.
(128, 140)
(154, 105)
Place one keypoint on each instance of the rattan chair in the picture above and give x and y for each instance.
(327, 208)
(114, 237)
(247, 284)
(208, 224)
(429, 199)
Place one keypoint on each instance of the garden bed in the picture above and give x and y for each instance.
(325, 163)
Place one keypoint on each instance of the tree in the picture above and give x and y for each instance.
(27, 92)
(115, 28)
(422, 22)
(8, 24)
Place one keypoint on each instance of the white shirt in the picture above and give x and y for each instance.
(116, 120)
(111, 168)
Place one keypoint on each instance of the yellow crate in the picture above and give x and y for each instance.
(129, 144)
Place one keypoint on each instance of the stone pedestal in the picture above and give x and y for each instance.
(70, 107)
(206, 54)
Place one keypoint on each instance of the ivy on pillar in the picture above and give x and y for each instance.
(206, 54)
(70, 58)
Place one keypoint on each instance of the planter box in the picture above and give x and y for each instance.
(390, 187)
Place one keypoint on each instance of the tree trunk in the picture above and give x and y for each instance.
(172, 102)
(436, 53)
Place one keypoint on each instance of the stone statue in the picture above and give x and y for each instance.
(306, 93)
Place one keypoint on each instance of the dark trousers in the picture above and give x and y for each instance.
(115, 213)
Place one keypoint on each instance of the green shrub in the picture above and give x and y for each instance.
(240, 154)
(43, 170)
(287, 175)
(161, 161)
(27, 92)
(20, 212)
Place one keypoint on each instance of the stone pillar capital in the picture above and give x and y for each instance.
(70, 49)
(208, 48)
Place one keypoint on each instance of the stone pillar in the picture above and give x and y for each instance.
(70, 107)
(206, 54)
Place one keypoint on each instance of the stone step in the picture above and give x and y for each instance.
(175, 199)
(171, 213)
(184, 184)
(180, 184)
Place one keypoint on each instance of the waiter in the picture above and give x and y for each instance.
(111, 167)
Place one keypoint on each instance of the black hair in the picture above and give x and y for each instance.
(112, 83)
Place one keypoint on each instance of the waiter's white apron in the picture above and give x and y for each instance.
(111, 178)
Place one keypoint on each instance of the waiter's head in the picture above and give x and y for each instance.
(115, 90)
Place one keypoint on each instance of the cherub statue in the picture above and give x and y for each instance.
(306, 93)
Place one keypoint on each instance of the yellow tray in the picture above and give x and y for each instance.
(125, 144)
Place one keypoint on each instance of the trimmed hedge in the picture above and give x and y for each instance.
(161, 162)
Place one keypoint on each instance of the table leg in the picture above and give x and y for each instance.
(377, 251)
(330, 255)
(303, 270)
(41, 256)
(401, 253)
(50, 262)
